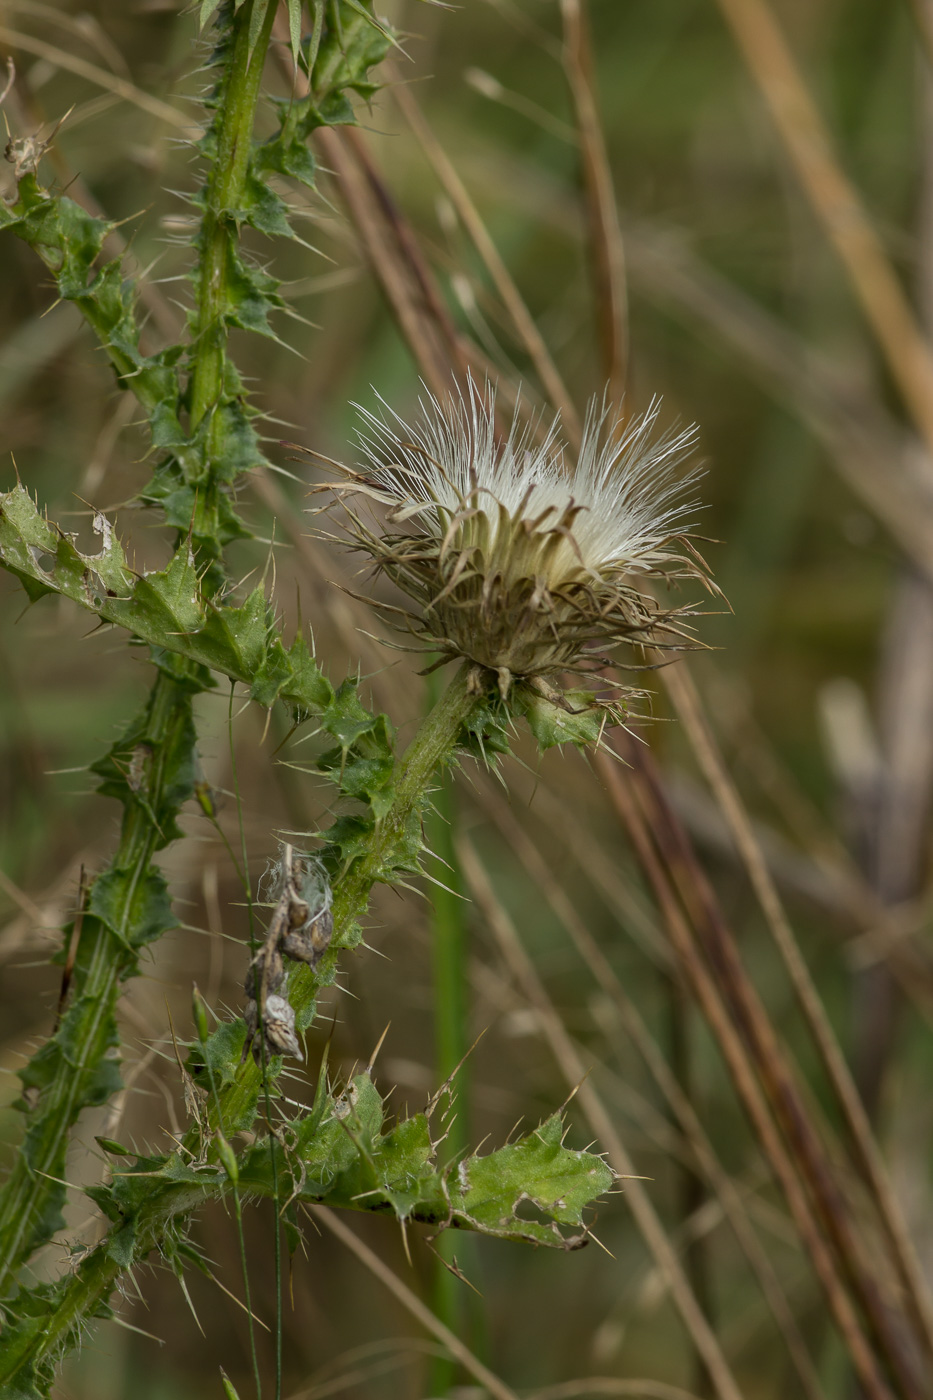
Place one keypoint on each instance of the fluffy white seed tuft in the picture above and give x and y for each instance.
(516, 555)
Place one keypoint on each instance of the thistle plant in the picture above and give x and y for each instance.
(520, 563)
(516, 565)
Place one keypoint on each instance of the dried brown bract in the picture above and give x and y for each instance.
(300, 928)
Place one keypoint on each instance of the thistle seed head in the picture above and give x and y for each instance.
(512, 554)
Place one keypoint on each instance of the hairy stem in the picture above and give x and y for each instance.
(429, 750)
(96, 1278)
(451, 1044)
(75, 1068)
(31, 1195)
(431, 747)
(223, 200)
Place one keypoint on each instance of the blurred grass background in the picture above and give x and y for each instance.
(743, 319)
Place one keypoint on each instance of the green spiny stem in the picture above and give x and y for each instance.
(104, 955)
(431, 748)
(88, 1291)
(451, 1045)
(223, 200)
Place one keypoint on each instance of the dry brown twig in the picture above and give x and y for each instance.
(574, 1071)
(512, 299)
(720, 1017)
(701, 1147)
(100, 77)
(686, 701)
(610, 296)
(411, 1302)
(837, 204)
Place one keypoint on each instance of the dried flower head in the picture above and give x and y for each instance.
(297, 889)
(514, 556)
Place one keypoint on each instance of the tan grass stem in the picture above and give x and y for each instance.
(574, 1072)
(72, 63)
(613, 1385)
(411, 1302)
(683, 693)
(733, 1207)
(607, 251)
(722, 1023)
(766, 1053)
(836, 203)
(512, 299)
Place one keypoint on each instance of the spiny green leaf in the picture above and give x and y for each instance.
(485, 734)
(489, 1192)
(136, 911)
(166, 609)
(534, 1190)
(157, 778)
(208, 8)
(294, 28)
(256, 19)
(575, 720)
(266, 211)
(230, 1390)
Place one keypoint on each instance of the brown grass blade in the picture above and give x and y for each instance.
(607, 252)
(686, 701)
(612, 1385)
(396, 262)
(741, 1026)
(411, 1302)
(923, 18)
(837, 204)
(878, 934)
(511, 297)
(521, 845)
(574, 1071)
(867, 449)
(722, 1025)
(110, 82)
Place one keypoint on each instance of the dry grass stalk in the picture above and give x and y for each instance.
(512, 299)
(701, 1148)
(884, 467)
(758, 1033)
(683, 693)
(575, 1071)
(878, 935)
(923, 18)
(396, 261)
(110, 82)
(612, 1385)
(837, 204)
(411, 1302)
(751, 1035)
(607, 252)
(720, 1018)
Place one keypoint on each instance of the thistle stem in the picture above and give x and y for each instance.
(222, 202)
(451, 1042)
(428, 751)
(29, 1193)
(431, 747)
(96, 1278)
